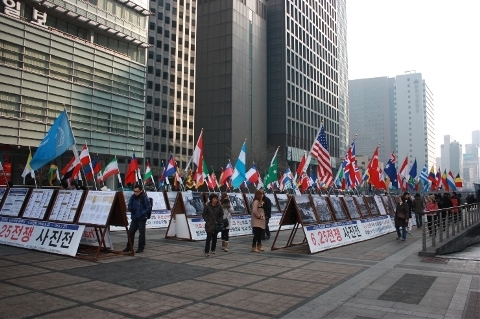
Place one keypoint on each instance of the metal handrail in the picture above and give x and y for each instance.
(446, 223)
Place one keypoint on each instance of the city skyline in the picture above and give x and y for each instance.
(422, 45)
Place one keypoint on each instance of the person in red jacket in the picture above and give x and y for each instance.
(432, 215)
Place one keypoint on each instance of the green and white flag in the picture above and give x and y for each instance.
(148, 174)
(272, 171)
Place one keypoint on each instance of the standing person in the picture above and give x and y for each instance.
(267, 208)
(138, 206)
(212, 213)
(409, 202)
(258, 221)
(401, 217)
(431, 210)
(447, 213)
(418, 208)
(227, 214)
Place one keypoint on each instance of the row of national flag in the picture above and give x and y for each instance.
(60, 138)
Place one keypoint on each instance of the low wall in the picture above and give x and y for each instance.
(468, 238)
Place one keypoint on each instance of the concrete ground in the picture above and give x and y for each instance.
(379, 278)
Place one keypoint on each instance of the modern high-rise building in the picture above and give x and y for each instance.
(456, 158)
(307, 74)
(276, 95)
(476, 137)
(414, 119)
(445, 151)
(471, 165)
(373, 116)
(231, 90)
(170, 92)
(85, 56)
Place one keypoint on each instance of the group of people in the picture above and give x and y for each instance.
(405, 206)
(217, 210)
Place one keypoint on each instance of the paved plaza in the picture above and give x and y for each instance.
(378, 278)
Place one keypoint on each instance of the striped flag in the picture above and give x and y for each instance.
(320, 152)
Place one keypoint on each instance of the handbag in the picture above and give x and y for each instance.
(218, 226)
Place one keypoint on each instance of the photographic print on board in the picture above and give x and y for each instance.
(338, 209)
(322, 208)
(237, 202)
(306, 209)
(372, 205)
(249, 198)
(362, 206)
(380, 206)
(352, 207)
(282, 200)
(172, 196)
(388, 205)
(193, 203)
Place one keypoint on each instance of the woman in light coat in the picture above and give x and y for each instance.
(258, 221)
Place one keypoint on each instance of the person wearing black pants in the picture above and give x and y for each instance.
(138, 206)
(212, 214)
(267, 208)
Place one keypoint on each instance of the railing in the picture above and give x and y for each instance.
(444, 223)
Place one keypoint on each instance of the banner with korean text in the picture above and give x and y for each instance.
(50, 237)
(326, 236)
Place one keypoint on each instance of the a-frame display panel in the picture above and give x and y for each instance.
(172, 197)
(305, 210)
(337, 208)
(14, 202)
(362, 206)
(322, 207)
(159, 203)
(393, 202)
(282, 200)
(118, 216)
(380, 205)
(238, 203)
(97, 207)
(372, 205)
(275, 208)
(3, 191)
(352, 207)
(388, 204)
(194, 202)
(66, 205)
(38, 204)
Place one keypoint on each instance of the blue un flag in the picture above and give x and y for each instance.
(58, 139)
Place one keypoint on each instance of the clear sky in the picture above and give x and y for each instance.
(436, 38)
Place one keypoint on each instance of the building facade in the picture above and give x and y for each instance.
(445, 151)
(414, 119)
(306, 62)
(85, 56)
(373, 116)
(471, 167)
(170, 98)
(231, 90)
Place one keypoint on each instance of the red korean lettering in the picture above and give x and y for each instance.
(27, 233)
(17, 232)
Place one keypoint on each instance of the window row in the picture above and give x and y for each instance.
(157, 147)
(167, 134)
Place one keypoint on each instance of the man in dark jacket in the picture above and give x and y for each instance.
(409, 202)
(267, 208)
(138, 206)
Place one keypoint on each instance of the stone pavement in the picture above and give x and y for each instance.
(379, 278)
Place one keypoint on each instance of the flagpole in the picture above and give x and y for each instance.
(35, 178)
(91, 167)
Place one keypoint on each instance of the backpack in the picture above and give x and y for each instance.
(149, 212)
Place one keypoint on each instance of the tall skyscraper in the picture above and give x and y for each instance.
(414, 118)
(456, 158)
(86, 56)
(306, 62)
(476, 137)
(445, 151)
(231, 87)
(170, 97)
(373, 116)
(471, 165)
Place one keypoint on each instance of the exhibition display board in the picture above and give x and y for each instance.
(66, 206)
(14, 202)
(39, 203)
(352, 221)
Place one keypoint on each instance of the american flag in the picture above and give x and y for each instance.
(320, 152)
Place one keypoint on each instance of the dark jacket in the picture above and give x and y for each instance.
(138, 206)
(267, 206)
(399, 222)
(212, 214)
(418, 205)
(410, 207)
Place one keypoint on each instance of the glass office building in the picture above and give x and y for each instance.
(85, 56)
(306, 63)
(170, 82)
